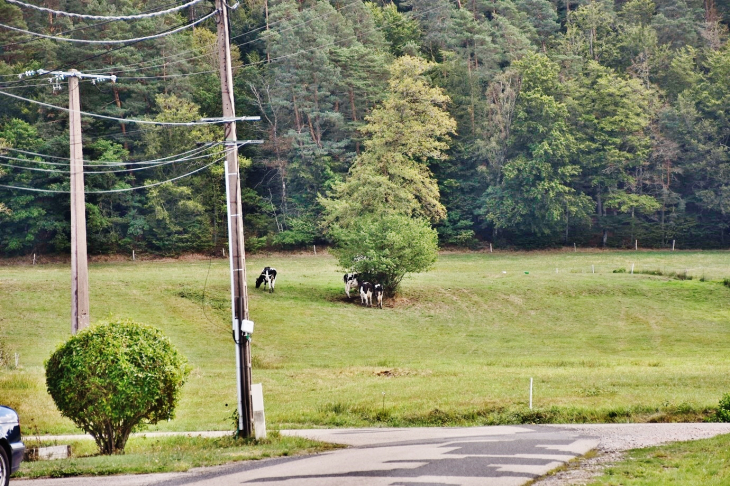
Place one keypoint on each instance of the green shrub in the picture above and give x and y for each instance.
(723, 409)
(301, 232)
(382, 249)
(726, 282)
(114, 377)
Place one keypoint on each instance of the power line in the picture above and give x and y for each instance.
(137, 66)
(96, 163)
(128, 189)
(117, 41)
(134, 169)
(69, 32)
(116, 68)
(273, 59)
(105, 17)
(209, 121)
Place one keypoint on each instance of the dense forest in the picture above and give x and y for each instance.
(532, 123)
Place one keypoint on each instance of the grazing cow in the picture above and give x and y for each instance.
(378, 291)
(350, 283)
(366, 294)
(267, 277)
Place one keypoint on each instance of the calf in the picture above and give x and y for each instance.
(350, 283)
(378, 291)
(267, 277)
(366, 294)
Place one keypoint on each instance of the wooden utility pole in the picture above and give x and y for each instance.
(237, 256)
(79, 264)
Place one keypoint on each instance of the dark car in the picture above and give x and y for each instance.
(11, 447)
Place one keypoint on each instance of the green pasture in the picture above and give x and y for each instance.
(690, 463)
(144, 455)
(458, 345)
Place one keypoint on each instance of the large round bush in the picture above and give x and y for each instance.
(384, 248)
(115, 376)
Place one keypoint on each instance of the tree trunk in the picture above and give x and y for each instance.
(352, 105)
(266, 11)
(119, 105)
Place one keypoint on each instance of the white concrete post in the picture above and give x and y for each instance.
(259, 419)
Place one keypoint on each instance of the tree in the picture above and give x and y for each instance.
(534, 188)
(115, 377)
(610, 115)
(379, 217)
(384, 248)
(409, 129)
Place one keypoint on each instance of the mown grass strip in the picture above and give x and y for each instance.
(168, 454)
(702, 462)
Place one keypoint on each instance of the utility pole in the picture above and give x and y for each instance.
(236, 252)
(79, 264)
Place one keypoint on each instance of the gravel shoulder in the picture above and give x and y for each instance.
(615, 439)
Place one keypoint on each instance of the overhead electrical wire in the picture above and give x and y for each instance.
(113, 118)
(105, 17)
(115, 171)
(109, 191)
(133, 67)
(117, 68)
(83, 27)
(96, 163)
(112, 41)
(144, 165)
(266, 61)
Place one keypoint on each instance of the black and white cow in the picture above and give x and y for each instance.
(378, 291)
(350, 283)
(267, 277)
(366, 294)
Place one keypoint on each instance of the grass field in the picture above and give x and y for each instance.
(458, 346)
(702, 462)
(145, 455)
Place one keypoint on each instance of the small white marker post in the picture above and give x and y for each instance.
(673, 244)
(259, 419)
(593, 269)
(490, 248)
(632, 269)
(530, 393)
(575, 248)
(315, 250)
(134, 257)
(33, 258)
(636, 245)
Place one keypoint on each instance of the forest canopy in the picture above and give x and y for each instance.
(532, 123)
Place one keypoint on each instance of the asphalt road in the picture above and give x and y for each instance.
(499, 456)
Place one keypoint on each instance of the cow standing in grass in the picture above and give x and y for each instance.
(350, 283)
(267, 277)
(378, 290)
(366, 294)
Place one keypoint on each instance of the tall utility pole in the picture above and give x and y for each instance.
(239, 290)
(79, 264)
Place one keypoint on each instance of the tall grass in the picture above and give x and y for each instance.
(457, 346)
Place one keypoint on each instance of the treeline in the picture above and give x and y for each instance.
(588, 122)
